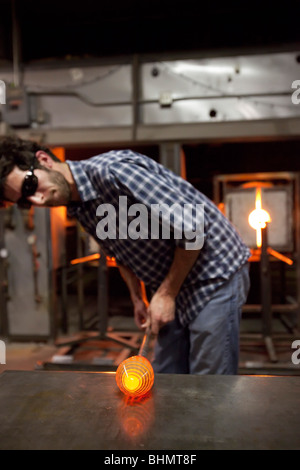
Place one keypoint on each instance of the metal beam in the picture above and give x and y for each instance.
(198, 132)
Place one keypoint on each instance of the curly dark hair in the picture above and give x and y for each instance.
(17, 152)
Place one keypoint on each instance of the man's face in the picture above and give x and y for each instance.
(52, 189)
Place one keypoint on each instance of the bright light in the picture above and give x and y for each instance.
(205, 67)
(258, 218)
(131, 382)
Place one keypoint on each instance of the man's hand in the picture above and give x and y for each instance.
(140, 313)
(161, 310)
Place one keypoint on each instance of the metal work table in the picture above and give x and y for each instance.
(81, 410)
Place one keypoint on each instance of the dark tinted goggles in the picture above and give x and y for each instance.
(29, 187)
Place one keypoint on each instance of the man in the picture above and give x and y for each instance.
(198, 286)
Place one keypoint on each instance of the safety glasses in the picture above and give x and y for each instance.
(29, 187)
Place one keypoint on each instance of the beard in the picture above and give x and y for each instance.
(61, 195)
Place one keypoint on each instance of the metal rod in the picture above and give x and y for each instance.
(135, 98)
(3, 279)
(266, 298)
(279, 256)
(135, 95)
(144, 349)
(297, 241)
(265, 285)
(15, 46)
(102, 297)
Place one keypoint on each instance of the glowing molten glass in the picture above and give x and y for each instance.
(258, 218)
(135, 376)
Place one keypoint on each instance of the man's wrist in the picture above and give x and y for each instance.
(168, 290)
(136, 299)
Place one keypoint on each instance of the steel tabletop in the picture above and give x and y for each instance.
(83, 410)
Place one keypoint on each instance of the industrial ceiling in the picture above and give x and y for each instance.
(56, 29)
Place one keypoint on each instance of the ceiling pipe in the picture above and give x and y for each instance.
(15, 46)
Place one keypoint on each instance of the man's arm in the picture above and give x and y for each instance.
(162, 305)
(136, 293)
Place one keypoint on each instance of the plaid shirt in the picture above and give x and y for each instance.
(103, 178)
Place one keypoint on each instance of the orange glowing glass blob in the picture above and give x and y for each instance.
(258, 218)
(135, 376)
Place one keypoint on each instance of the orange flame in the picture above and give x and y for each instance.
(258, 218)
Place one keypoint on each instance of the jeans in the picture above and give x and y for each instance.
(210, 343)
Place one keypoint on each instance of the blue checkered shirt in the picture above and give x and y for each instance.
(104, 178)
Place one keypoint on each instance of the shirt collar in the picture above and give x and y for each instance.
(84, 186)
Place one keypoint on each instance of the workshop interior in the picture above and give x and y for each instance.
(220, 108)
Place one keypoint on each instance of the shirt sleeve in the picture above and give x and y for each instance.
(171, 206)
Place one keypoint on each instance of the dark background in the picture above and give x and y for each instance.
(58, 29)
